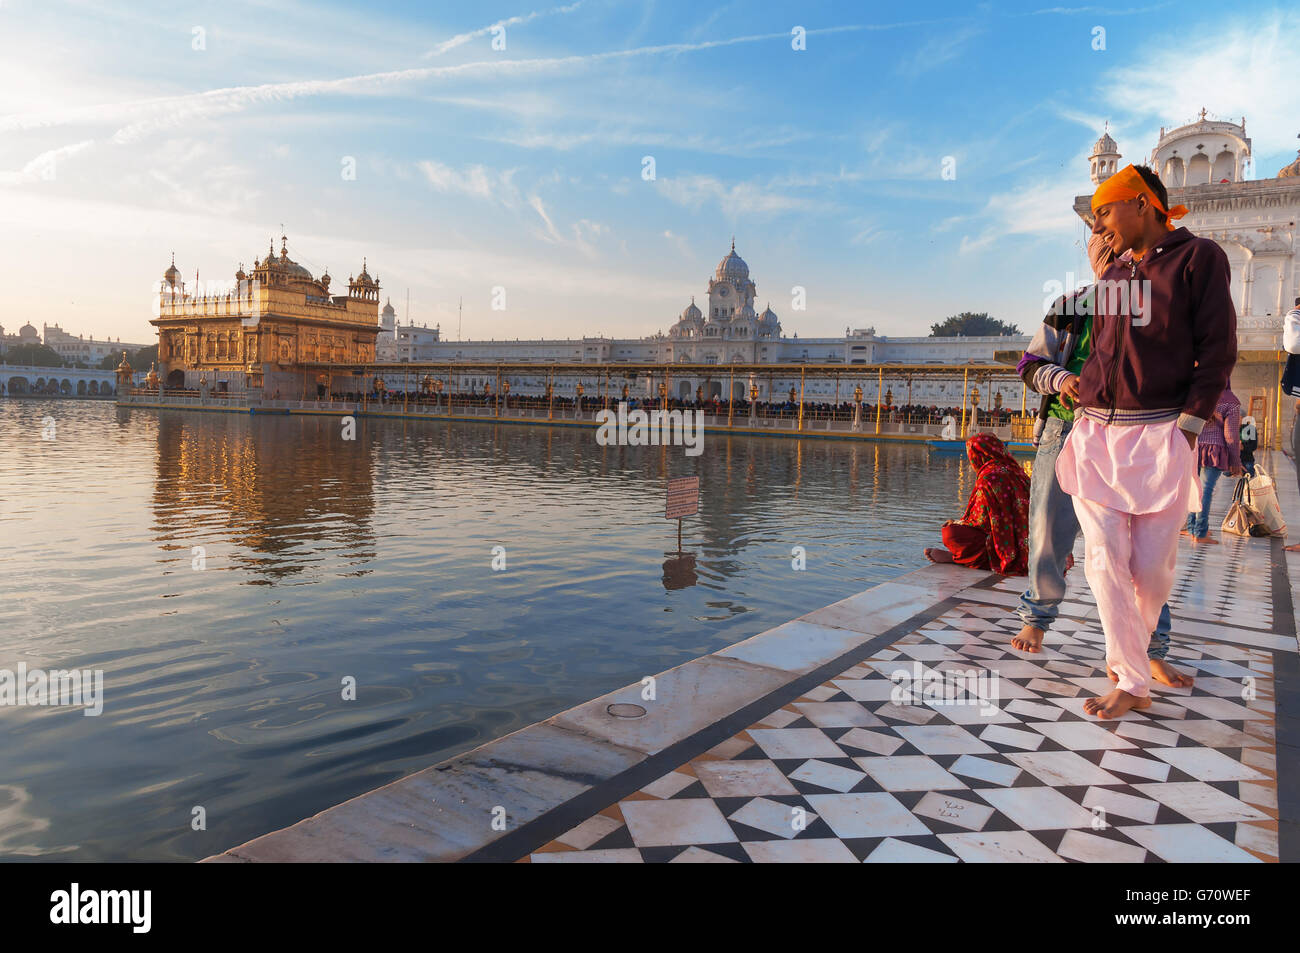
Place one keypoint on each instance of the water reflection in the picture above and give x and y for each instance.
(373, 559)
(679, 571)
(218, 475)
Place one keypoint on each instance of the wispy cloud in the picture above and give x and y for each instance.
(695, 191)
(45, 167)
(1098, 11)
(867, 232)
(475, 180)
(1043, 209)
(461, 39)
(938, 50)
(680, 243)
(538, 206)
(1239, 66)
(146, 115)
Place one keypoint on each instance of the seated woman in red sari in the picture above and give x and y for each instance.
(994, 532)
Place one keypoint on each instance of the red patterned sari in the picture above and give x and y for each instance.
(994, 532)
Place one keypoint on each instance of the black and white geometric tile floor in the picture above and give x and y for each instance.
(853, 772)
(974, 751)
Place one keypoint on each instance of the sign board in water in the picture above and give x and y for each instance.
(683, 497)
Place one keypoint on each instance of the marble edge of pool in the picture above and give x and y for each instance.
(445, 812)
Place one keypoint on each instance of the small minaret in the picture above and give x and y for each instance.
(125, 373)
(1103, 161)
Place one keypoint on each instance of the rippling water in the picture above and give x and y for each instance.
(372, 558)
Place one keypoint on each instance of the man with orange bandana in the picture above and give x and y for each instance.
(1164, 345)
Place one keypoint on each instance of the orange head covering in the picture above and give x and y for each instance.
(1127, 184)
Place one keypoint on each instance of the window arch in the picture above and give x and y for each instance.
(1225, 167)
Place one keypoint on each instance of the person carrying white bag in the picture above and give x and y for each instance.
(1291, 384)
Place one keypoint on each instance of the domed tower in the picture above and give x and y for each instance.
(172, 279)
(388, 319)
(769, 326)
(690, 324)
(730, 289)
(363, 286)
(1103, 161)
(1202, 152)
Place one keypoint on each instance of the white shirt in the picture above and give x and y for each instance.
(1291, 331)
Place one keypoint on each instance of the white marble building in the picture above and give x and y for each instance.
(78, 347)
(396, 343)
(726, 330)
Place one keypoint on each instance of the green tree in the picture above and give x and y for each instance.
(970, 324)
(140, 360)
(33, 355)
(144, 358)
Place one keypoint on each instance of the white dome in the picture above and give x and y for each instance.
(732, 267)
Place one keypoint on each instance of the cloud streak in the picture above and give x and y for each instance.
(461, 39)
(45, 166)
(146, 115)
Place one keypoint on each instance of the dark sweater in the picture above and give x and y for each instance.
(1169, 345)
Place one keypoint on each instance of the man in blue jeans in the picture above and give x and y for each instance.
(1051, 366)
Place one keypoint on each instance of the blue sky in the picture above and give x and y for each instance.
(522, 168)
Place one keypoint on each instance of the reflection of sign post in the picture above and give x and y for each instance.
(683, 500)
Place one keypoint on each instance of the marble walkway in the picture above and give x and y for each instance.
(896, 725)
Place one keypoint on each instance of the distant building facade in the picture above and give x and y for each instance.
(403, 343)
(727, 331)
(27, 334)
(77, 347)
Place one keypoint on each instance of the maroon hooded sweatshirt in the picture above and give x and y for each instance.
(1168, 353)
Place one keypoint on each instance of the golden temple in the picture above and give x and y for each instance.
(255, 334)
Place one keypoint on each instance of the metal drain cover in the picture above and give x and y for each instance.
(624, 710)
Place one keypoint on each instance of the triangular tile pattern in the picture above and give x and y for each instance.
(1006, 767)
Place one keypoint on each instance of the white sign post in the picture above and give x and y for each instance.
(683, 500)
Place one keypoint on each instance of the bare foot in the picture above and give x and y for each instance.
(1115, 704)
(938, 555)
(1206, 540)
(1030, 639)
(1183, 532)
(1162, 672)
(1166, 674)
(1294, 548)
